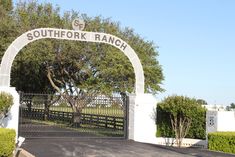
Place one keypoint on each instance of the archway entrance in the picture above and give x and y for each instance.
(42, 117)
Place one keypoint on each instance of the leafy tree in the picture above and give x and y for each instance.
(231, 107)
(201, 101)
(7, 5)
(180, 111)
(75, 69)
(99, 67)
(28, 72)
(8, 30)
(111, 70)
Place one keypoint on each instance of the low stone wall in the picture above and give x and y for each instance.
(187, 142)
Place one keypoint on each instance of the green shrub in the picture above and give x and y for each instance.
(196, 131)
(6, 101)
(7, 142)
(222, 141)
(164, 124)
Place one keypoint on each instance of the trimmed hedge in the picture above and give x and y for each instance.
(222, 141)
(7, 142)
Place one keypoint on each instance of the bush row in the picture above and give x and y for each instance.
(222, 141)
(7, 142)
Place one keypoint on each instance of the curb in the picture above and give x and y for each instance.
(23, 153)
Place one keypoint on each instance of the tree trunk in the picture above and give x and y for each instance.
(180, 142)
(29, 106)
(46, 111)
(77, 119)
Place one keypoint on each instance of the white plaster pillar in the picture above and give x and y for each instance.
(144, 118)
(12, 120)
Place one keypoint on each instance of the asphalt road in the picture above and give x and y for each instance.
(109, 148)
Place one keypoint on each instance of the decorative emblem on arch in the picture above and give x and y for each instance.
(53, 33)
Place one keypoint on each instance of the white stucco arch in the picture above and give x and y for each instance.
(141, 124)
(53, 33)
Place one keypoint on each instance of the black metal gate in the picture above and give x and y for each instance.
(51, 116)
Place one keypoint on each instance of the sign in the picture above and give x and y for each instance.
(78, 24)
(211, 120)
(76, 35)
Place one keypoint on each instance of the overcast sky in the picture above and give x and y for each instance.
(196, 40)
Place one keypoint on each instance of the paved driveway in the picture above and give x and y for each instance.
(109, 148)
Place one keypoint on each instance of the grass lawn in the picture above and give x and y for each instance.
(106, 111)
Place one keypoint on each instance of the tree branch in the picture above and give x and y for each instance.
(51, 81)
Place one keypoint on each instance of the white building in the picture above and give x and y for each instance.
(215, 107)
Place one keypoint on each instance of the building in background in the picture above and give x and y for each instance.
(215, 107)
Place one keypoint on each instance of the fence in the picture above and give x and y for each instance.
(90, 119)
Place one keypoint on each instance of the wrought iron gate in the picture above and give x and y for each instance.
(51, 116)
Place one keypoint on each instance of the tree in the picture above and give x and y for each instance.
(99, 67)
(29, 72)
(231, 107)
(181, 111)
(7, 5)
(8, 30)
(111, 69)
(201, 101)
(75, 69)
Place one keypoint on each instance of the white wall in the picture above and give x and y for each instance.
(226, 121)
(220, 121)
